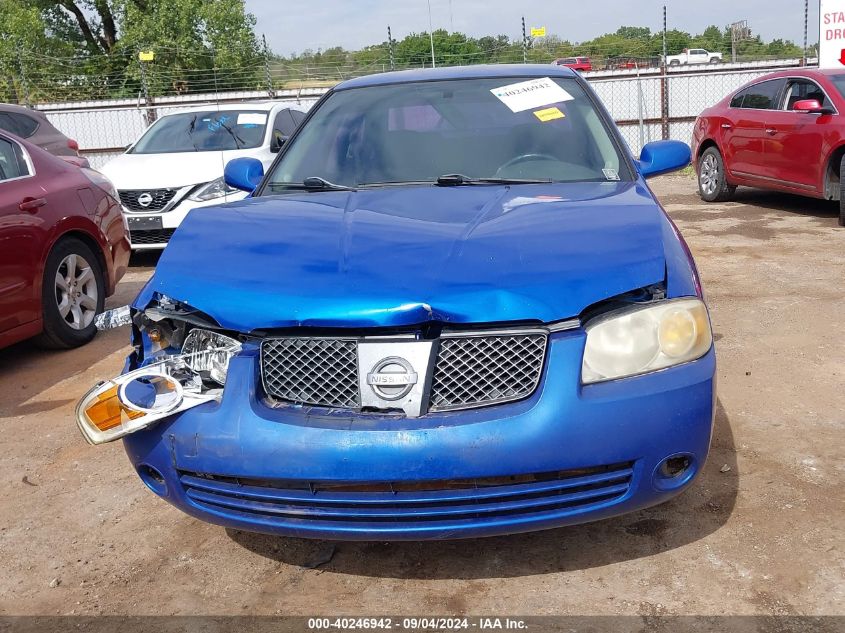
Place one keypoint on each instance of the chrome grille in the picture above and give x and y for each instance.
(470, 371)
(475, 371)
(160, 199)
(316, 371)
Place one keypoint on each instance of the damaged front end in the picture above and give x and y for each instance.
(177, 365)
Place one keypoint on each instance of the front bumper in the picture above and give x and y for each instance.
(566, 455)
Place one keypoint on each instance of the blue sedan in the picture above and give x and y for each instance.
(451, 308)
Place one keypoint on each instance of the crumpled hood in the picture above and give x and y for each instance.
(402, 256)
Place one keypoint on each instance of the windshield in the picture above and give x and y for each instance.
(211, 131)
(478, 128)
(839, 82)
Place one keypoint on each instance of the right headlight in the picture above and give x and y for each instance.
(143, 397)
(212, 190)
(210, 352)
(643, 339)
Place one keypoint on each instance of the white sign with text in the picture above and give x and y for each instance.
(832, 34)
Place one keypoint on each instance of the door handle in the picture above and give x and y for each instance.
(31, 204)
(726, 126)
(771, 131)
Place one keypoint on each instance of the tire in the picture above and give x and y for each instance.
(712, 183)
(674, 62)
(842, 192)
(73, 292)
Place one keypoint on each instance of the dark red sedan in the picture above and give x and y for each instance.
(782, 131)
(63, 246)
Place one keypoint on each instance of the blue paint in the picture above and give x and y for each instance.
(403, 257)
(661, 157)
(219, 122)
(358, 259)
(243, 173)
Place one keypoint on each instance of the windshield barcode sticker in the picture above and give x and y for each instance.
(252, 118)
(528, 95)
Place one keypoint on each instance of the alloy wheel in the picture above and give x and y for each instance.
(76, 292)
(708, 176)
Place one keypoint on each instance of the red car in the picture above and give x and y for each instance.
(782, 131)
(63, 246)
(582, 64)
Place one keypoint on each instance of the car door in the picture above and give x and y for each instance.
(744, 128)
(698, 56)
(795, 141)
(19, 231)
(283, 126)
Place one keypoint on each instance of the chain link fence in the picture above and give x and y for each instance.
(647, 105)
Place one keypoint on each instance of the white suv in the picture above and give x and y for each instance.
(177, 164)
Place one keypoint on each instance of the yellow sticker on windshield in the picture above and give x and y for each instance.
(549, 114)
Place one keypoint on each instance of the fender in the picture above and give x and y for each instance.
(80, 226)
(829, 189)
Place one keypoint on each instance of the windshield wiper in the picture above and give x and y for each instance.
(191, 132)
(238, 139)
(458, 180)
(312, 183)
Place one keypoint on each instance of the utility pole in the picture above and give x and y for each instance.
(390, 49)
(431, 35)
(524, 43)
(806, 13)
(451, 18)
(22, 70)
(664, 86)
(267, 76)
(739, 33)
(145, 88)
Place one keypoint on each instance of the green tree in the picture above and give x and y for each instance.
(713, 40)
(198, 44)
(23, 35)
(634, 32)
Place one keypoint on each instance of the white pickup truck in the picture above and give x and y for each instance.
(694, 56)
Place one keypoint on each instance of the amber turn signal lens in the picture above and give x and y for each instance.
(106, 411)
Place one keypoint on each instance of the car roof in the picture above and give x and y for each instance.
(19, 109)
(806, 72)
(503, 71)
(265, 106)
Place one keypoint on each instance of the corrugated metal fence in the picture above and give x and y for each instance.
(644, 103)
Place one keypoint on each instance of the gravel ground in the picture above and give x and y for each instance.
(760, 533)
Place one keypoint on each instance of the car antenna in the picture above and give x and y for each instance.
(217, 101)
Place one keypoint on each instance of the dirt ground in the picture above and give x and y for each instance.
(760, 533)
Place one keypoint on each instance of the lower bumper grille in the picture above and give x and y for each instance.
(155, 236)
(410, 503)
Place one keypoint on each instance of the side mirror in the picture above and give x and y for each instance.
(661, 157)
(810, 106)
(243, 173)
(277, 141)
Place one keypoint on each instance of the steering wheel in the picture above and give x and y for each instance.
(525, 158)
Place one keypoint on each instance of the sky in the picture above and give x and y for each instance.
(296, 25)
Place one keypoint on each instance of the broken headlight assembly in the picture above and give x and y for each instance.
(645, 338)
(172, 384)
